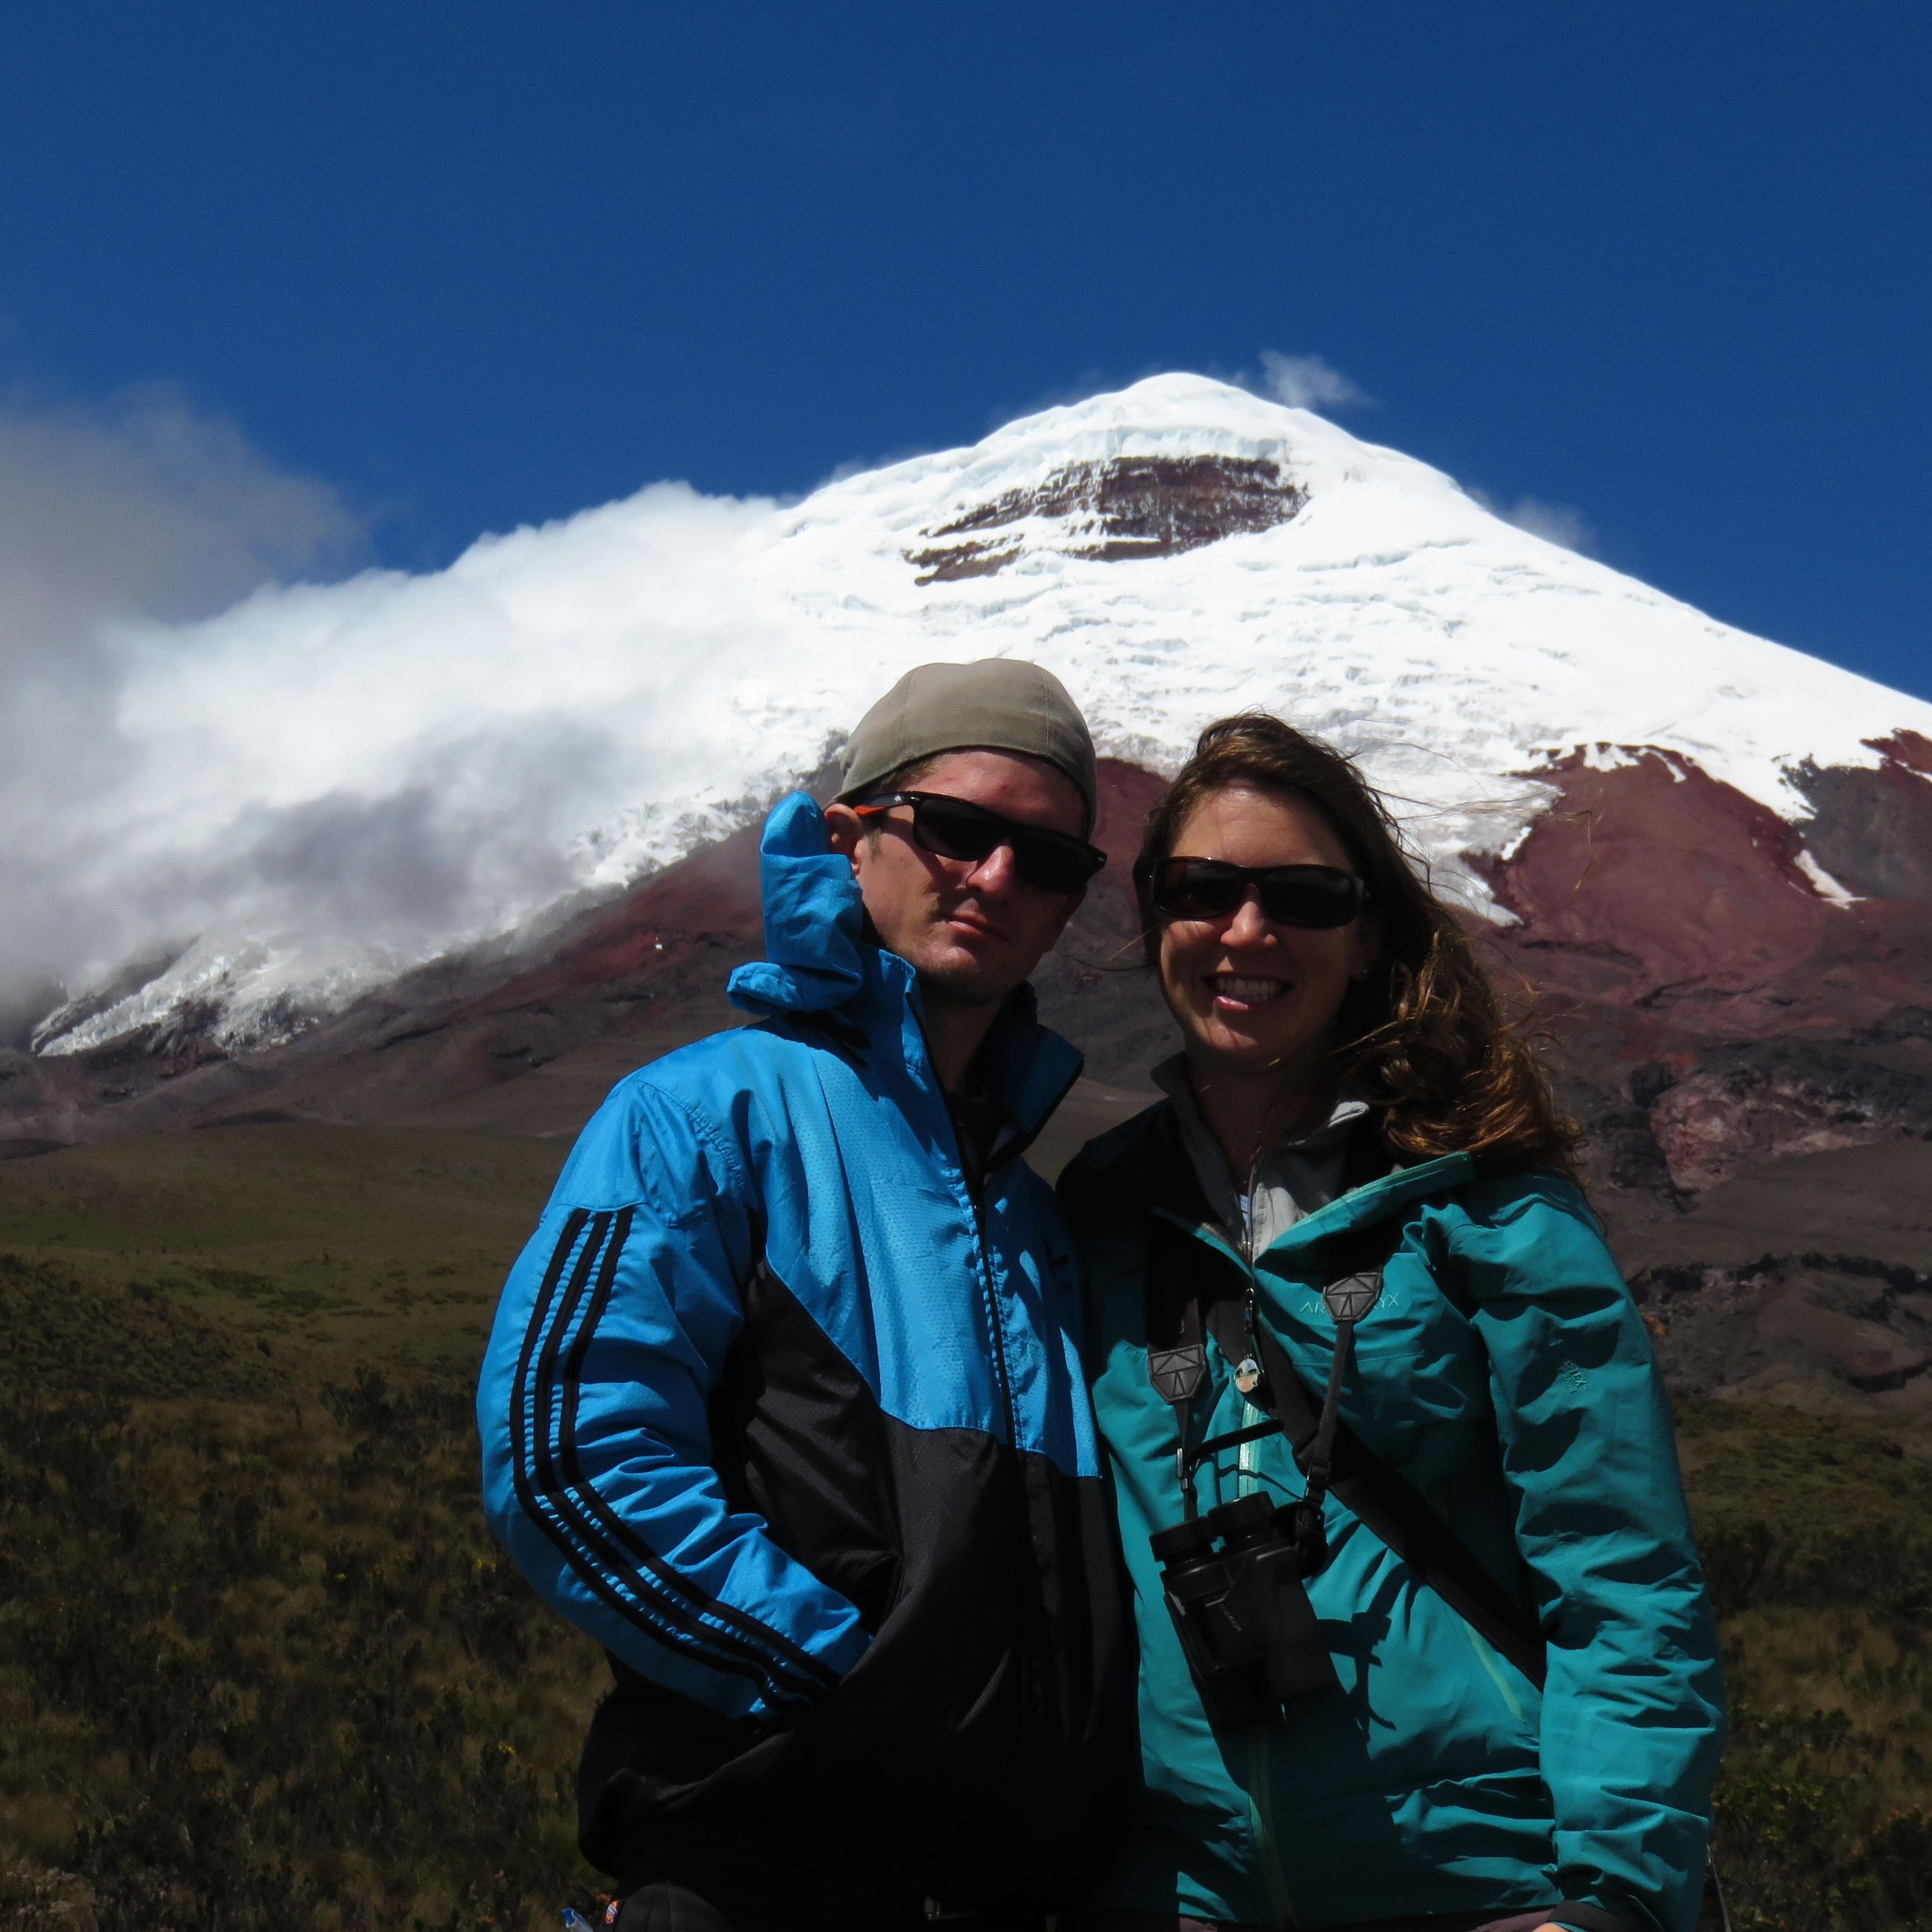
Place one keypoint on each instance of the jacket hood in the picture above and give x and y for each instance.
(814, 920)
(819, 958)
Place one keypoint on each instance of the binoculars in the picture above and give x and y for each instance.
(1233, 1577)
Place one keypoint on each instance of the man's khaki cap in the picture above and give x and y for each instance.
(997, 704)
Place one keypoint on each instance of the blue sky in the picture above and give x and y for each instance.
(1664, 267)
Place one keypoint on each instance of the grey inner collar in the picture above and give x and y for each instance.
(1291, 1180)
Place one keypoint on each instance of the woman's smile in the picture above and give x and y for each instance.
(1256, 998)
(1237, 992)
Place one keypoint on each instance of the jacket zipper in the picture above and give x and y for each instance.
(1024, 1552)
(1028, 1562)
(995, 1330)
(1261, 1769)
(1248, 1482)
(1028, 1609)
(976, 1207)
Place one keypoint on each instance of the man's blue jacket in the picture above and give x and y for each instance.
(791, 1419)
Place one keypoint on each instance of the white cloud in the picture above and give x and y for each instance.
(143, 507)
(192, 744)
(1555, 522)
(145, 504)
(1307, 382)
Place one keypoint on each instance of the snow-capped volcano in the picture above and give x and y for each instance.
(425, 764)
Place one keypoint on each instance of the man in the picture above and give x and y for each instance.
(783, 1403)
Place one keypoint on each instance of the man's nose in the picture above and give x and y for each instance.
(994, 873)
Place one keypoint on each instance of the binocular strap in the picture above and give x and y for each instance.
(1383, 1501)
(1191, 1287)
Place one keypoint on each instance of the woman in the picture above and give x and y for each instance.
(1357, 1196)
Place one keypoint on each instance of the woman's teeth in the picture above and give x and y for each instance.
(1250, 992)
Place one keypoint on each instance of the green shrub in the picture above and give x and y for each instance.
(260, 1665)
(1816, 1533)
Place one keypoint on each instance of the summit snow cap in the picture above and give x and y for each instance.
(994, 704)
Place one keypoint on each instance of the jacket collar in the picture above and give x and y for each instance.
(1291, 1179)
(820, 960)
(1363, 1207)
(1177, 1195)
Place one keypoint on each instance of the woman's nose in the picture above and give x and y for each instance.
(1249, 926)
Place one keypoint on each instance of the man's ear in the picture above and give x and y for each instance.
(844, 830)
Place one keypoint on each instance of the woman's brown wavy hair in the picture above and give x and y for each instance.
(1423, 1035)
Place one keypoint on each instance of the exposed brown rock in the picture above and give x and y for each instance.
(1125, 507)
(968, 560)
(1743, 1109)
(1873, 830)
(1912, 749)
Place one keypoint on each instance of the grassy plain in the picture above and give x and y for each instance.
(331, 1244)
(260, 1665)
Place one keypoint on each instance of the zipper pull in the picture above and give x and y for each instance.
(1247, 1370)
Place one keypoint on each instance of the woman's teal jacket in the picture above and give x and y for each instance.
(1506, 1373)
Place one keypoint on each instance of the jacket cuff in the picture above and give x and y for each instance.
(839, 1656)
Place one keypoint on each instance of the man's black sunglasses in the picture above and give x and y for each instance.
(1311, 895)
(950, 828)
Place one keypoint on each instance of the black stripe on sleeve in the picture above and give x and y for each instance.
(528, 1460)
(784, 1653)
(654, 1604)
(559, 1259)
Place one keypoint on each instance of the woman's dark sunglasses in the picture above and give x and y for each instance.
(1311, 896)
(950, 828)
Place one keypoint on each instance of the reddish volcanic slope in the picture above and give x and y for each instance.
(1652, 888)
(1741, 1011)
(1667, 930)
(1674, 942)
